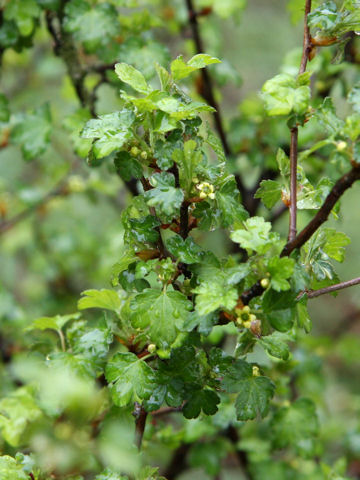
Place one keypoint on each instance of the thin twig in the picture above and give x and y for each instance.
(293, 182)
(338, 189)
(336, 192)
(294, 131)
(331, 288)
(307, 46)
(165, 411)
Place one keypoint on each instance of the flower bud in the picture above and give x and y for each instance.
(134, 151)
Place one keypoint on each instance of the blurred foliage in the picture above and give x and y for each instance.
(131, 223)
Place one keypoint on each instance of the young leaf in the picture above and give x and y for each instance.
(186, 251)
(280, 270)
(54, 323)
(107, 299)
(11, 470)
(256, 235)
(128, 74)
(17, 411)
(254, 392)
(161, 314)
(269, 192)
(131, 379)
(282, 95)
(180, 69)
(32, 132)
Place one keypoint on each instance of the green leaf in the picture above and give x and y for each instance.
(254, 392)
(277, 300)
(24, 13)
(11, 470)
(186, 251)
(165, 149)
(55, 323)
(282, 320)
(280, 270)
(215, 294)
(161, 314)
(201, 400)
(228, 200)
(126, 259)
(32, 132)
(17, 411)
(128, 74)
(110, 475)
(215, 144)
(187, 160)
(127, 166)
(109, 132)
(164, 197)
(180, 69)
(74, 124)
(94, 343)
(296, 426)
(105, 299)
(131, 379)
(282, 95)
(255, 236)
(302, 315)
(326, 115)
(92, 25)
(335, 244)
(143, 230)
(269, 192)
(276, 345)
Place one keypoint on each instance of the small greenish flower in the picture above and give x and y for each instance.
(255, 371)
(206, 190)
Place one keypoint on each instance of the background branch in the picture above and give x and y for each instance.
(331, 288)
(208, 92)
(59, 189)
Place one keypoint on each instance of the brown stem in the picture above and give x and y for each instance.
(294, 131)
(307, 45)
(65, 48)
(293, 183)
(184, 219)
(338, 189)
(140, 415)
(331, 288)
(178, 462)
(233, 436)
